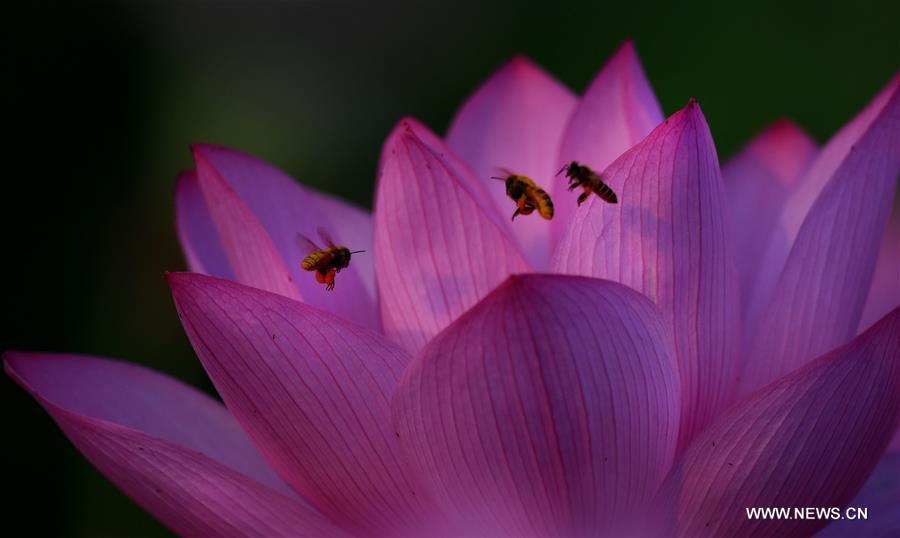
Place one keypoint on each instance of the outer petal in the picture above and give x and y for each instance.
(758, 182)
(548, 409)
(312, 391)
(667, 238)
(618, 110)
(196, 230)
(809, 439)
(881, 498)
(818, 300)
(515, 121)
(884, 294)
(251, 254)
(281, 208)
(807, 190)
(175, 451)
(437, 248)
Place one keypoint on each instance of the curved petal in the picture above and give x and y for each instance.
(758, 182)
(884, 293)
(282, 209)
(818, 300)
(515, 121)
(881, 499)
(830, 159)
(197, 232)
(617, 111)
(548, 409)
(797, 207)
(312, 391)
(667, 238)
(810, 439)
(437, 248)
(250, 252)
(172, 449)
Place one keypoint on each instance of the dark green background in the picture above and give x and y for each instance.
(103, 100)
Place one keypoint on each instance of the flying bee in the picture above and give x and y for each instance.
(581, 176)
(526, 195)
(326, 262)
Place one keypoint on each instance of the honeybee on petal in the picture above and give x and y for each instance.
(582, 176)
(527, 195)
(326, 262)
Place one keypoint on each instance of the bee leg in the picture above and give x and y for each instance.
(583, 197)
(329, 280)
(515, 214)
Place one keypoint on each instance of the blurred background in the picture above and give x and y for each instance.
(105, 98)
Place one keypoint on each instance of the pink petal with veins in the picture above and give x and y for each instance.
(668, 238)
(515, 121)
(548, 409)
(617, 111)
(175, 451)
(196, 230)
(809, 439)
(438, 248)
(283, 209)
(818, 299)
(312, 390)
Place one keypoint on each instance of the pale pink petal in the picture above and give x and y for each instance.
(312, 391)
(617, 111)
(830, 159)
(284, 209)
(881, 499)
(668, 238)
(249, 249)
(438, 248)
(515, 121)
(173, 450)
(884, 293)
(197, 232)
(818, 299)
(548, 409)
(804, 194)
(810, 439)
(758, 182)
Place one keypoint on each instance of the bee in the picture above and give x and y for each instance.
(581, 176)
(326, 262)
(526, 195)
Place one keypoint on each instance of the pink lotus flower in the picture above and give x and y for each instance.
(655, 366)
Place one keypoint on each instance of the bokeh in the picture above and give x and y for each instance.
(104, 99)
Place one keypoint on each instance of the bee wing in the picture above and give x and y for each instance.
(306, 244)
(504, 172)
(326, 237)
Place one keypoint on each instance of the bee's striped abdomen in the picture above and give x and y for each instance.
(544, 203)
(605, 192)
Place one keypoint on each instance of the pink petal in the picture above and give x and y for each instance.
(172, 449)
(282, 208)
(831, 158)
(667, 238)
(884, 293)
(548, 409)
(806, 191)
(818, 300)
(312, 391)
(758, 182)
(196, 230)
(617, 111)
(249, 249)
(881, 498)
(810, 439)
(515, 121)
(438, 249)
